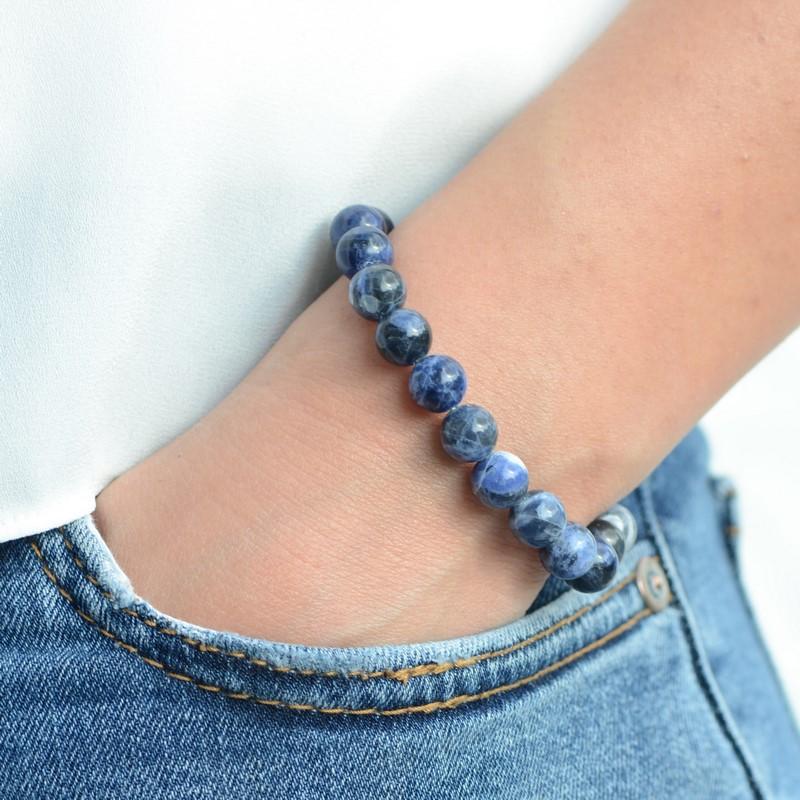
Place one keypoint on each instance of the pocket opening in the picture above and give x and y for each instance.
(421, 677)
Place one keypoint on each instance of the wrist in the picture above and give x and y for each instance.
(313, 505)
(320, 491)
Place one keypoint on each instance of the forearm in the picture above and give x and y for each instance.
(627, 248)
(604, 270)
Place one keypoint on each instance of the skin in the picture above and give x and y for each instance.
(605, 268)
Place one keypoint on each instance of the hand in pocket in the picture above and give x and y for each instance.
(315, 505)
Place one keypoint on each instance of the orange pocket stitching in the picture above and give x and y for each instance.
(426, 708)
(402, 674)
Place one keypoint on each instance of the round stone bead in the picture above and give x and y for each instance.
(572, 554)
(361, 246)
(500, 479)
(437, 383)
(538, 518)
(376, 291)
(355, 215)
(602, 571)
(388, 225)
(622, 519)
(604, 531)
(468, 433)
(403, 336)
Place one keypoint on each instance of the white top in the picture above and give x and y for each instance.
(168, 172)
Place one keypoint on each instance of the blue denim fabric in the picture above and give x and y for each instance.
(101, 696)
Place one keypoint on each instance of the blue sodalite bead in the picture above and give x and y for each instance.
(469, 432)
(622, 519)
(403, 336)
(500, 479)
(361, 246)
(437, 383)
(376, 291)
(538, 518)
(355, 215)
(602, 571)
(604, 531)
(572, 554)
(388, 225)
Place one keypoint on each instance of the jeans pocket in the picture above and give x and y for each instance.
(391, 680)
(588, 696)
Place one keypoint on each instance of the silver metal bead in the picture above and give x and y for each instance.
(622, 519)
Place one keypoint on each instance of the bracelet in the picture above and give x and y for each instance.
(586, 557)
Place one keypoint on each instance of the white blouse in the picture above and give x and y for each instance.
(168, 172)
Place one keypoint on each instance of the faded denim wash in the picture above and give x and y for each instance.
(660, 687)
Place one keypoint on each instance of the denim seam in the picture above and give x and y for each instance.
(426, 708)
(704, 680)
(402, 675)
(732, 527)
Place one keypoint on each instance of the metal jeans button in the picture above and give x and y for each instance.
(652, 583)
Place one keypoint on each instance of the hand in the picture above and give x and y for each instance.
(315, 505)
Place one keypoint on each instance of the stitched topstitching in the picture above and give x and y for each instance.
(647, 498)
(402, 674)
(426, 708)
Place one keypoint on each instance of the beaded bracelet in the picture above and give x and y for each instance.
(585, 557)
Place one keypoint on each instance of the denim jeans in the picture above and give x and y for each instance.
(659, 687)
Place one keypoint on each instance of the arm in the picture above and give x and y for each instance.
(605, 269)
